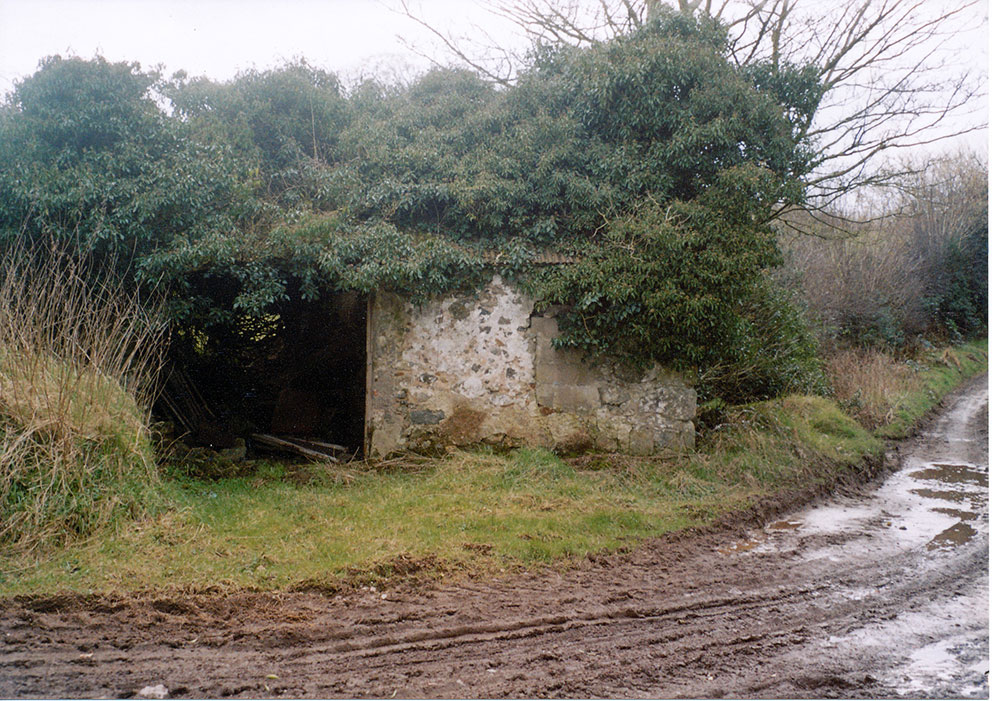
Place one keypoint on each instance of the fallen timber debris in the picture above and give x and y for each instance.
(314, 450)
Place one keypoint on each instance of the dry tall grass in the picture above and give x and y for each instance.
(869, 384)
(78, 359)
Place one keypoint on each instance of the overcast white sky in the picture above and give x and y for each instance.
(218, 38)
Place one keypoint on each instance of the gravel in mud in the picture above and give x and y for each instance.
(878, 592)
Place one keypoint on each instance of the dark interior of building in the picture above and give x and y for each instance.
(297, 374)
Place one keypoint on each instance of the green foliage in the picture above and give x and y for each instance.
(653, 159)
(74, 106)
(89, 158)
(584, 137)
(284, 122)
(778, 354)
(225, 280)
(960, 295)
(875, 325)
(662, 285)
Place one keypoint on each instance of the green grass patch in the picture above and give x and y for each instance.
(469, 512)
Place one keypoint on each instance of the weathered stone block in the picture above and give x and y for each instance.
(686, 408)
(564, 367)
(545, 395)
(680, 435)
(641, 441)
(612, 434)
(462, 427)
(616, 396)
(625, 372)
(426, 417)
(581, 398)
(568, 434)
(677, 402)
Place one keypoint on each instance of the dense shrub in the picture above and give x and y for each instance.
(959, 288)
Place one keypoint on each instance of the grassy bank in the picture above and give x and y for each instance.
(78, 360)
(481, 512)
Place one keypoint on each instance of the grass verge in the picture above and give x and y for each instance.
(479, 512)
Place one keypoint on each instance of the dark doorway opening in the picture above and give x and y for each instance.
(318, 373)
(298, 372)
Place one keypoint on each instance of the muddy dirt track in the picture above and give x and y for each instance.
(880, 591)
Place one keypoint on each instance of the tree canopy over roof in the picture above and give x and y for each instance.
(653, 159)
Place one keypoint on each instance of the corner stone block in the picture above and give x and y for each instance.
(641, 442)
(682, 435)
(568, 434)
(684, 405)
(673, 403)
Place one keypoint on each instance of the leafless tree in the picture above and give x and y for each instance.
(886, 267)
(939, 200)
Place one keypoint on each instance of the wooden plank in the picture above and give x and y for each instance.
(320, 444)
(291, 447)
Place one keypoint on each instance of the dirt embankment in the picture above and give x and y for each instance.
(851, 598)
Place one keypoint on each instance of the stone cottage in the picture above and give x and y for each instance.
(480, 368)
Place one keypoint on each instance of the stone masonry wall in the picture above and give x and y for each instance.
(461, 370)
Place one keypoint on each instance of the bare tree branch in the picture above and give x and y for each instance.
(452, 46)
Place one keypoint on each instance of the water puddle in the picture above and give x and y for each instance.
(952, 474)
(964, 485)
(957, 513)
(958, 534)
(760, 539)
(944, 494)
(933, 506)
(741, 546)
(936, 506)
(955, 667)
(784, 525)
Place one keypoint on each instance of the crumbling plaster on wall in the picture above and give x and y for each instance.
(480, 368)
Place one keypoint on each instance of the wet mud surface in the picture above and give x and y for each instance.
(881, 591)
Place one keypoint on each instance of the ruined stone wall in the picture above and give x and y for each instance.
(465, 369)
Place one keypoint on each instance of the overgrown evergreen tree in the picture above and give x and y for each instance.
(653, 159)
